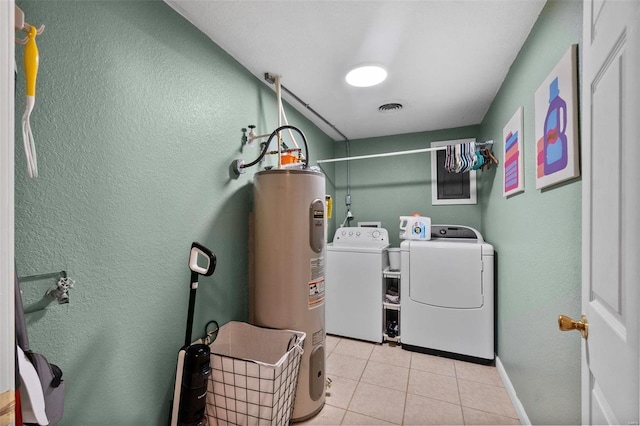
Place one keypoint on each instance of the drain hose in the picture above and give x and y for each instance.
(268, 142)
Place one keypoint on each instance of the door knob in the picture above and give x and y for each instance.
(566, 323)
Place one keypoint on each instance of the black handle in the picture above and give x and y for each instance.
(196, 250)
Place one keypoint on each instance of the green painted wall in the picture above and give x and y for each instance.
(537, 235)
(383, 189)
(137, 119)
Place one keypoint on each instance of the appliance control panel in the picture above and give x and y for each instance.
(361, 235)
(455, 232)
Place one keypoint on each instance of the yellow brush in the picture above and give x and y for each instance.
(31, 61)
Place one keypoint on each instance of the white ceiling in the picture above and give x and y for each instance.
(446, 59)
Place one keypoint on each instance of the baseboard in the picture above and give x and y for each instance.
(522, 415)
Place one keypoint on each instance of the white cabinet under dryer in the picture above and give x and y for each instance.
(447, 287)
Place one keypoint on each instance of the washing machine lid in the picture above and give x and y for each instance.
(446, 275)
(356, 249)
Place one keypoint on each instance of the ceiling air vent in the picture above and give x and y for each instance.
(393, 106)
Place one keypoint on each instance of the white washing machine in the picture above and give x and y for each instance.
(353, 282)
(447, 290)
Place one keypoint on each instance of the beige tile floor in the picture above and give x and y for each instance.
(385, 385)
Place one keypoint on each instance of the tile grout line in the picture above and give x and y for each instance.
(484, 383)
(406, 392)
(354, 391)
(455, 372)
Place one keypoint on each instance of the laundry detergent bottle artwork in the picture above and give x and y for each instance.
(555, 138)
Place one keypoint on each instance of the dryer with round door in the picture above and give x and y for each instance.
(353, 282)
(447, 287)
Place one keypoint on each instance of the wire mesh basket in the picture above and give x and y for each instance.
(254, 375)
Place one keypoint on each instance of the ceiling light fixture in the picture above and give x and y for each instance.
(366, 76)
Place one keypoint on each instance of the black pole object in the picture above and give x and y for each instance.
(197, 367)
(192, 306)
(193, 395)
(197, 249)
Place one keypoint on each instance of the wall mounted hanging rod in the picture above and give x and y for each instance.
(38, 277)
(391, 154)
(271, 79)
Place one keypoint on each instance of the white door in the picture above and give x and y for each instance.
(7, 357)
(611, 211)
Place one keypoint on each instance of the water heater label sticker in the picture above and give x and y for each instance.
(316, 293)
(317, 268)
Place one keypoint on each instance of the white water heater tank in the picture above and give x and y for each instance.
(289, 213)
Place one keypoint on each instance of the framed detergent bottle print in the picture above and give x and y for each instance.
(513, 165)
(556, 124)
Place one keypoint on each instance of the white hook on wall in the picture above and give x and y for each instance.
(21, 25)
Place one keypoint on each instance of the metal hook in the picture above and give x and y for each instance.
(61, 291)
